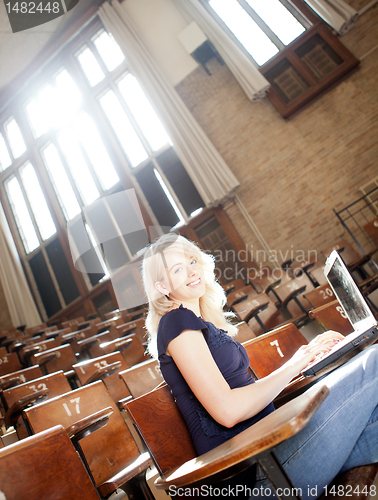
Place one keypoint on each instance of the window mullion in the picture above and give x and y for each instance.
(29, 207)
(68, 172)
(53, 277)
(170, 189)
(296, 13)
(264, 27)
(130, 116)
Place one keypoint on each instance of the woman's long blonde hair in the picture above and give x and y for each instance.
(153, 270)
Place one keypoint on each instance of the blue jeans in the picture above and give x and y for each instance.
(342, 434)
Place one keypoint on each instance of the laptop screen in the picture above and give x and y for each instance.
(348, 293)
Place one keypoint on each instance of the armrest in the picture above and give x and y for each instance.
(18, 406)
(87, 425)
(28, 353)
(255, 311)
(294, 294)
(46, 358)
(123, 344)
(10, 382)
(248, 446)
(103, 372)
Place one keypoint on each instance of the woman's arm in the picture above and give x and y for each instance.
(229, 406)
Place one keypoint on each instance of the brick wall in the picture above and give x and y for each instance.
(293, 173)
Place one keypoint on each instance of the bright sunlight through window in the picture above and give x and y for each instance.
(21, 214)
(256, 42)
(127, 136)
(143, 112)
(37, 202)
(61, 183)
(109, 50)
(5, 159)
(15, 138)
(278, 18)
(78, 166)
(90, 66)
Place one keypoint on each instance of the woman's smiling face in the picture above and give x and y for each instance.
(184, 278)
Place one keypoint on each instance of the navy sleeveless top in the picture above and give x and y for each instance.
(231, 359)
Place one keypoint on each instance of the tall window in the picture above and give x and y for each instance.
(263, 27)
(80, 130)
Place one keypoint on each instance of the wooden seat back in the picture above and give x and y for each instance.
(320, 296)
(163, 429)
(25, 353)
(244, 332)
(18, 398)
(94, 344)
(23, 375)
(56, 384)
(58, 358)
(31, 330)
(345, 249)
(136, 353)
(142, 378)
(44, 466)
(3, 351)
(240, 294)
(270, 351)
(233, 286)
(108, 451)
(270, 317)
(9, 363)
(91, 369)
(287, 292)
(129, 316)
(72, 323)
(137, 327)
(332, 317)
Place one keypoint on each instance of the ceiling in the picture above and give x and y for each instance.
(17, 50)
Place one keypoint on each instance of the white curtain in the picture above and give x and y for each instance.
(338, 14)
(210, 174)
(19, 300)
(246, 73)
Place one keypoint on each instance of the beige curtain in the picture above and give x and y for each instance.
(243, 68)
(19, 300)
(210, 174)
(337, 13)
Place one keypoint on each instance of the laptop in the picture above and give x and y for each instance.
(356, 309)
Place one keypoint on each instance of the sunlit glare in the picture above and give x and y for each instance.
(95, 149)
(66, 100)
(78, 166)
(245, 29)
(5, 159)
(109, 50)
(169, 196)
(21, 214)
(91, 67)
(15, 139)
(129, 140)
(279, 19)
(37, 202)
(38, 116)
(143, 112)
(61, 183)
(196, 212)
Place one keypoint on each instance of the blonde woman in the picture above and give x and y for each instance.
(207, 371)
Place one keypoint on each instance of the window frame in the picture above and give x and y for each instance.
(66, 58)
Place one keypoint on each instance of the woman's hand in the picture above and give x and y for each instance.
(307, 353)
